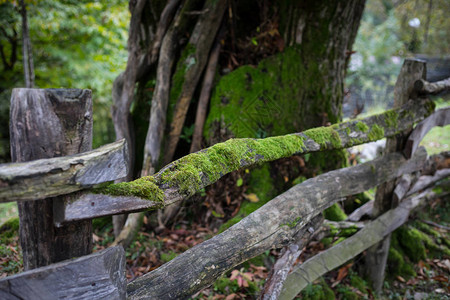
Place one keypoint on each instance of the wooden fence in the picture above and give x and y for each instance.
(68, 188)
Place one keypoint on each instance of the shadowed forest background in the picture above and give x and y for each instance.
(256, 62)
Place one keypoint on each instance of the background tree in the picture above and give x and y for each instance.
(280, 70)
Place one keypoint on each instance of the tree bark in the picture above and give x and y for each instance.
(44, 124)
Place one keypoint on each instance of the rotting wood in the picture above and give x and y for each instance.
(97, 276)
(50, 177)
(273, 225)
(440, 118)
(275, 280)
(190, 174)
(47, 123)
(424, 87)
(328, 260)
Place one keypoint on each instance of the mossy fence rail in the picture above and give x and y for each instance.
(67, 192)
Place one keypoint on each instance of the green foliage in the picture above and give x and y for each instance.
(166, 257)
(411, 242)
(75, 44)
(335, 213)
(319, 291)
(375, 65)
(9, 230)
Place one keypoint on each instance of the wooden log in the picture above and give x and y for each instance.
(333, 257)
(376, 259)
(273, 225)
(400, 190)
(275, 280)
(51, 177)
(190, 174)
(343, 224)
(440, 118)
(358, 213)
(427, 180)
(48, 123)
(97, 276)
(424, 87)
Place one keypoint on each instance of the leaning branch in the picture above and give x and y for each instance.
(273, 225)
(51, 177)
(425, 87)
(190, 174)
(330, 259)
(440, 118)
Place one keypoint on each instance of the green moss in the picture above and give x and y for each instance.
(346, 232)
(335, 213)
(434, 249)
(361, 127)
(410, 241)
(346, 293)
(190, 172)
(166, 257)
(430, 106)
(341, 239)
(325, 137)
(391, 118)
(397, 265)
(298, 180)
(326, 241)
(8, 230)
(293, 223)
(186, 61)
(376, 133)
(358, 283)
(261, 184)
(225, 285)
(319, 291)
(143, 187)
(427, 229)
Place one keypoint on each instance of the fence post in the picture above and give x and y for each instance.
(47, 123)
(411, 71)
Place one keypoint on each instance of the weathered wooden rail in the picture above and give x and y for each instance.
(283, 219)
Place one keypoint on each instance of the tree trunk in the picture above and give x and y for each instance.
(50, 123)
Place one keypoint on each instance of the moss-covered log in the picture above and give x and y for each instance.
(190, 174)
(273, 225)
(50, 177)
(332, 258)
